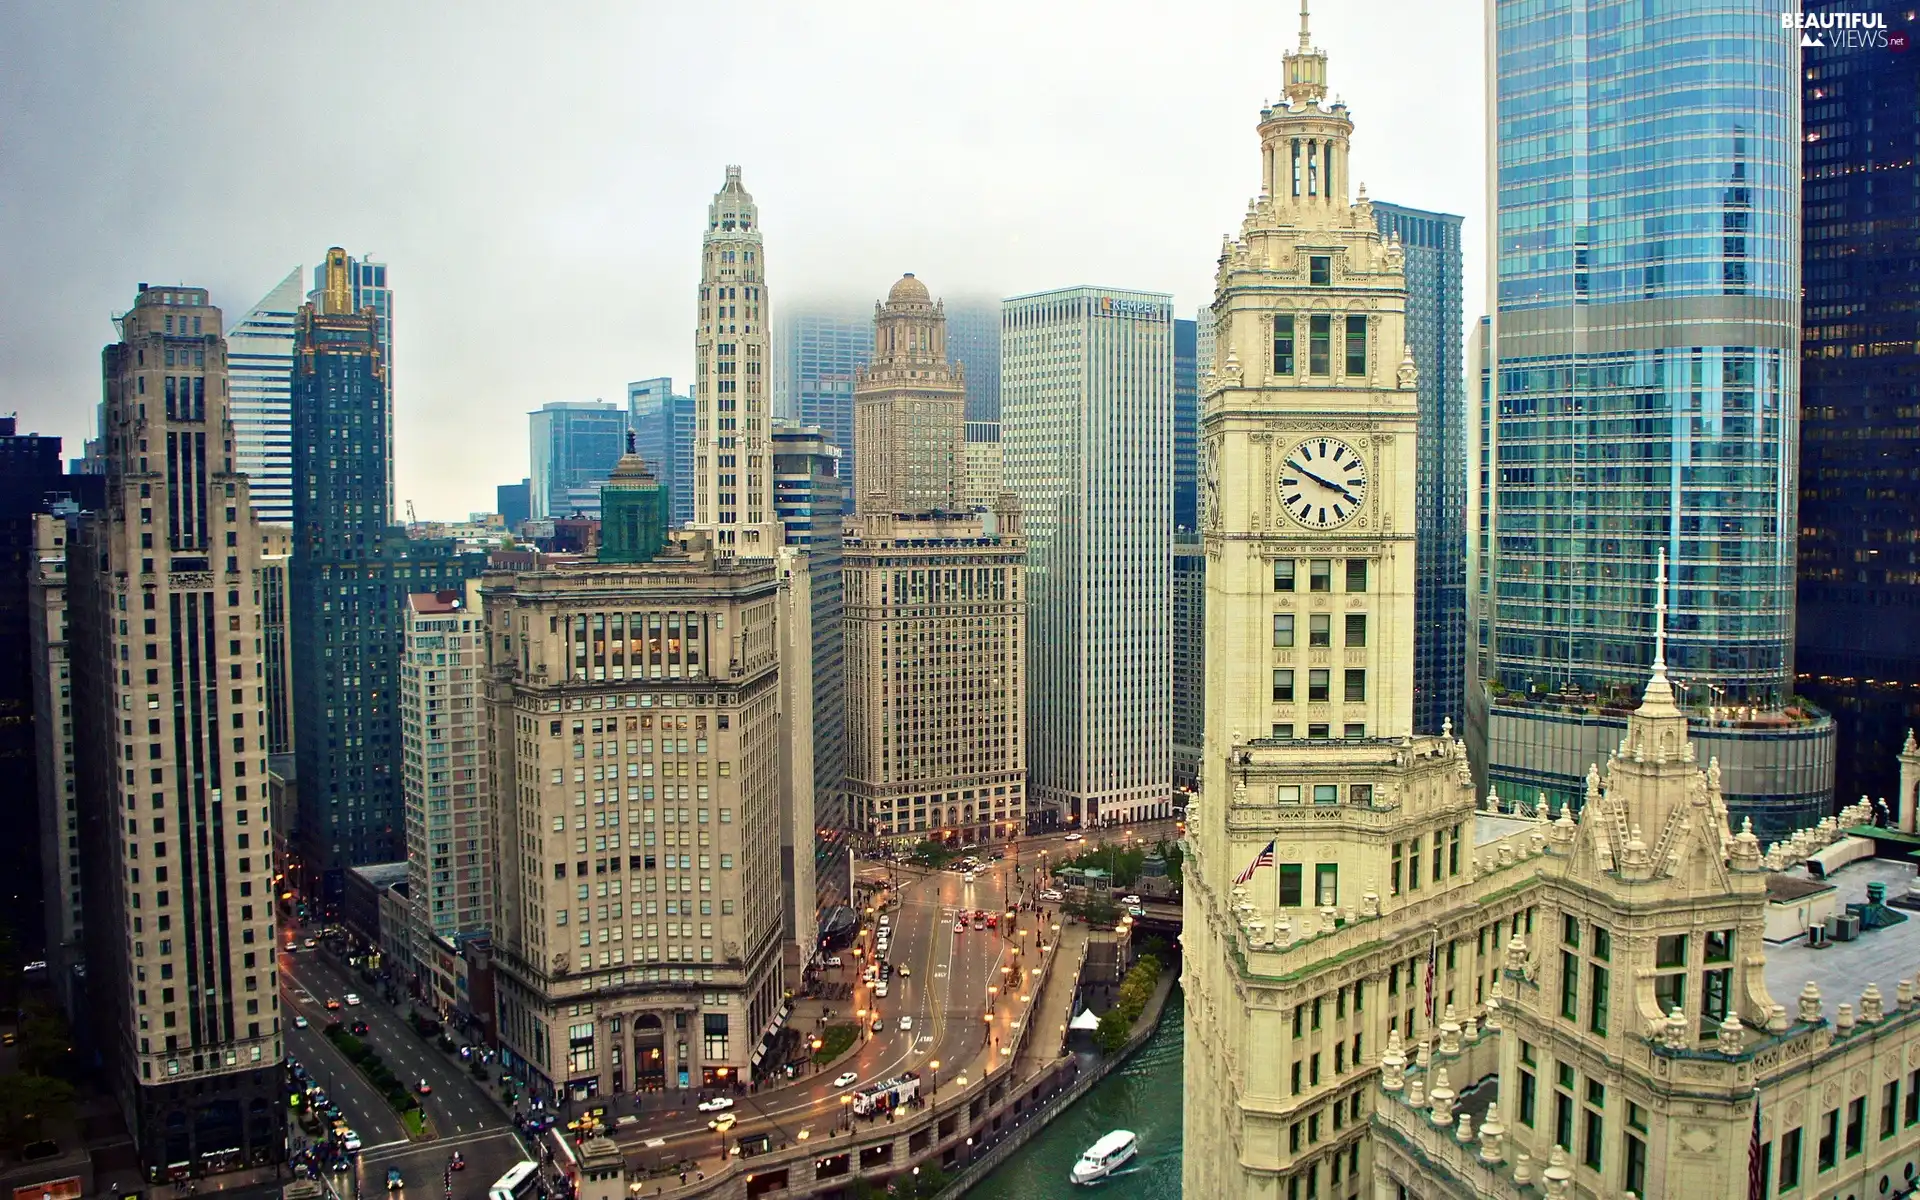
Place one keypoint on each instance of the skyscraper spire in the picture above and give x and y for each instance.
(1306, 68)
(1658, 699)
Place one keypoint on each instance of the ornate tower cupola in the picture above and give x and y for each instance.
(1303, 142)
(1306, 69)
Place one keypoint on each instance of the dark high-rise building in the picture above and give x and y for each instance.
(1186, 426)
(663, 429)
(1434, 317)
(29, 470)
(973, 341)
(809, 503)
(348, 582)
(170, 749)
(818, 350)
(572, 447)
(1857, 638)
(1189, 658)
(513, 501)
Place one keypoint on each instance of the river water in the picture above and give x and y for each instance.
(1144, 1096)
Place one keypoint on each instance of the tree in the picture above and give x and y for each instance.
(27, 1102)
(1112, 1034)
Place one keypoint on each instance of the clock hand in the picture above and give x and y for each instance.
(1310, 475)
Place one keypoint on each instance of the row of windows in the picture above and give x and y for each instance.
(1320, 344)
(1319, 630)
(1320, 686)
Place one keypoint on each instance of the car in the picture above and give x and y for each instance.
(885, 920)
(906, 1024)
(1130, 900)
(1134, 910)
(886, 970)
(299, 1022)
(332, 1004)
(353, 999)
(395, 1181)
(424, 1088)
(967, 878)
(880, 989)
(878, 1025)
(1050, 894)
(1074, 837)
(960, 926)
(905, 969)
(456, 1163)
(978, 923)
(310, 943)
(846, 1080)
(361, 1029)
(993, 920)
(833, 960)
(292, 946)
(332, 1112)
(351, 1141)
(722, 1123)
(717, 1104)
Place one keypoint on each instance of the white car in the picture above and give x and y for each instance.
(880, 989)
(847, 1080)
(353, 999)
(1129, 899)
(885, 920)
(1050, 894)
(717, 1104)
(351, 1141)
(722, 1123)
(967, 878)
(833, 960)
(1074, 837)
(906, 1024)
(299, 1022)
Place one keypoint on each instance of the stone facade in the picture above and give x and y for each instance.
(732, 394)
(638, 937)
(910, 410)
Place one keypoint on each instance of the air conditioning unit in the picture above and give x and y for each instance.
(1817, 936)
(1846, 927)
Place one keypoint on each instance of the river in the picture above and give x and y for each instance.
(1144, 1096)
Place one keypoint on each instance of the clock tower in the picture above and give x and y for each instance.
(1308, 429)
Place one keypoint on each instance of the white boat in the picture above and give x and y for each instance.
(1106, 1156)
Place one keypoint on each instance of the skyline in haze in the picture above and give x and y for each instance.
(539, 187)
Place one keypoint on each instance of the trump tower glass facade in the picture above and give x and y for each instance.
(1646, 387)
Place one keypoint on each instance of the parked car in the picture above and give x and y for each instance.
(885, 920)
(880, 989)
(717, 1104)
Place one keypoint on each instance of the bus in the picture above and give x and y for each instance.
(521, 1182)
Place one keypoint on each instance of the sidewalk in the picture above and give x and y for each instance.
(1053, 1008)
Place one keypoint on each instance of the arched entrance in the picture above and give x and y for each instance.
(649, 1053)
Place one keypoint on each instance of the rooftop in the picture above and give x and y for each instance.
(1844, 969)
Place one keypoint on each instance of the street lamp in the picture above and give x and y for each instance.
(846, 1108)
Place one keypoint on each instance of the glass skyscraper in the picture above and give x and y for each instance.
(1186, 426)
(367, 288)
(973, 341)
(1086, 428)
(1432, 244)
(818, 350)
(572, 448)
(1645, 392)
(663, 436)
(259, 363)
(1857, 650)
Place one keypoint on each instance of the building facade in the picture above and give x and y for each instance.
(514, 502)
(639, 932)
(367, 288)
(732, 394)
(986, 475)
(57, 813)
(170, 740)
(819, 350)
(1189, 658)
(809, 501)
(1087, 437)
(1431, 242)
(347, 582)
(1186, 426)
(443, 774)
(936, 637)
(276, 553)
(909, 410)
(973, 344)
(663, 426)
(574, 444)
(260, 371)
(1602, 319)
(1857, 636)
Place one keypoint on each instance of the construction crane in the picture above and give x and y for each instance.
(412, 517)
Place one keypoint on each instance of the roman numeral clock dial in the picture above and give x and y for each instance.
(1322, 483)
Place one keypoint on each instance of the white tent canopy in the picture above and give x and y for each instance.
(1086, 1020)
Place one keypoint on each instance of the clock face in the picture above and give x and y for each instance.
(1322, 483)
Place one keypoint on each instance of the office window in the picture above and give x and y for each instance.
(1856, 1125)
(1829, 1148)
(1290, 885)
(1356, 575)
(1529, 1098)
(1889, 1109)
(1326, 885)
(1354, 729)
(1393, 879)
(1319, 684)
(1670, 991)
(1569, 987)
(1320, 630)
(1634, 1169)
(1598, 980)
(1283, 630)
(1413, 865)
(1283, 344)
(1320, 575)
(1356, 684)
(1356, 344)
(1356, 629)
(1319, 731)
(1320, 270)
(1320, 344)
(1283, 574)
(1283, 687)
(1326, 793)
(1789, 1161)
(1912, 1114)
(1671, 951)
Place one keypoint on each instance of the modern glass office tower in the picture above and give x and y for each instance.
(259, 367)
(818, 350)
(1186, 426)
(1646, 210)
(1086, 427)
(367, 288)
(572, 445)
(973, 341)
(1431, 242)
(663, 435)
(1857, 650)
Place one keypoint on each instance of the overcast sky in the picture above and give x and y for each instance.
(537, 176)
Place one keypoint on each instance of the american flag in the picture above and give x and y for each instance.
(1756, 1158)
(1433, 963)
(1262, 859)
